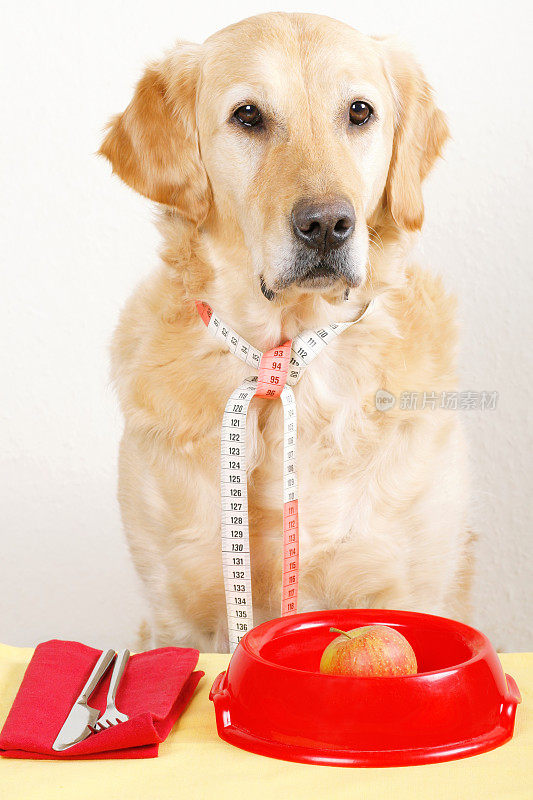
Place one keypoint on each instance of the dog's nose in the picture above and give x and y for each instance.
(323, 226)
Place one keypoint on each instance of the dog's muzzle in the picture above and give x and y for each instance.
(322, 253)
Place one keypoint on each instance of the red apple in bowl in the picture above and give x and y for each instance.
(371, 651)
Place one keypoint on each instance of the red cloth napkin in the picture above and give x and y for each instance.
(155, 689)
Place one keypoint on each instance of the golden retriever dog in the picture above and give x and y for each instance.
(287, 155)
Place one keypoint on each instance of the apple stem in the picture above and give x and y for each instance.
(337, 630)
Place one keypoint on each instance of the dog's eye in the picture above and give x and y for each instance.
(248, 115)
(360, 112)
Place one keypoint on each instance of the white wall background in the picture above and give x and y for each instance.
(75, 242)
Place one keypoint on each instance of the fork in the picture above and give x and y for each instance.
(112, 716)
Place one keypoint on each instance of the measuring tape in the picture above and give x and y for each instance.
(278, 370)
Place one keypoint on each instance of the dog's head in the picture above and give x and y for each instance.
(294, 133)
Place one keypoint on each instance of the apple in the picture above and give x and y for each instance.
(370, 651)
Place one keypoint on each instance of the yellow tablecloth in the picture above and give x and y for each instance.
(194, 764)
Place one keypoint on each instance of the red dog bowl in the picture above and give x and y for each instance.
(273, 700)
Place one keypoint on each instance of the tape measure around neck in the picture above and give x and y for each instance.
(279, 369)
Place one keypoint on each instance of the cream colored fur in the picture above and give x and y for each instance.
(382, 494)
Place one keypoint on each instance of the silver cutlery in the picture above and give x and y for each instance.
(112, 716)
(82, 717)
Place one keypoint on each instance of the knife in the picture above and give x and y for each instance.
(82, 717)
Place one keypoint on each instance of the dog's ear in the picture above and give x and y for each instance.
(153, 144)
(420, 133)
